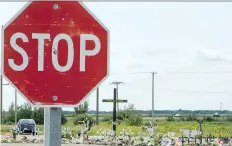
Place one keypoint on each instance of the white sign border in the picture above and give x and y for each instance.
(56, 105)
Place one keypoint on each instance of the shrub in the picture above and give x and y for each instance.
(106, 118)
(14, 134)
(170, 118)
(147, 123)
(182, 118)
(81, 117)
(229, 118)
(191, 118)
(130, 116)
(124, 114)
(208, 119)
(134, 120)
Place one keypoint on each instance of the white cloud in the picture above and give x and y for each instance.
(213, 55)
(132, 63)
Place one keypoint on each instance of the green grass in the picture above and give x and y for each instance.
(216, 128)
(6, 128)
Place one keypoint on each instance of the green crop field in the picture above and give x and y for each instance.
(216, 128)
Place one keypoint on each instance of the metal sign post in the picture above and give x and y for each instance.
(115, 100)
(52, 126)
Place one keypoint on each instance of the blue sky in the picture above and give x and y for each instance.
(166, 38)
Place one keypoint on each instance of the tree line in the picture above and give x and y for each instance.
(170, 112)
(227, 118)
(129, 114)
(25, 111)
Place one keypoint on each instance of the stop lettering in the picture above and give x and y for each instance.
(41, 37)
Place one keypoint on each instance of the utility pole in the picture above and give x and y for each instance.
(221, 108)
(116, 83)
(16, 107)
(153, 78)
(1, 92)
(1, 98)
(97, 107)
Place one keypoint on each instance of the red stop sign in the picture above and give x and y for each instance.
(55, 53)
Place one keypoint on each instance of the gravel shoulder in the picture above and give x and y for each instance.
(30, 144)
(19, 137)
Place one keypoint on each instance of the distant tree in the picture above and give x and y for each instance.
(9, 116)
(4, 113)
(24, 111)
(38, 115)
(82, 108)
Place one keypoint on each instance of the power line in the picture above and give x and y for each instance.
(204, 92)
(127, 73)
(174, 72)
(200, 72)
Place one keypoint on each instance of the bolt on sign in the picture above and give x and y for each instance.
(55, 52)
